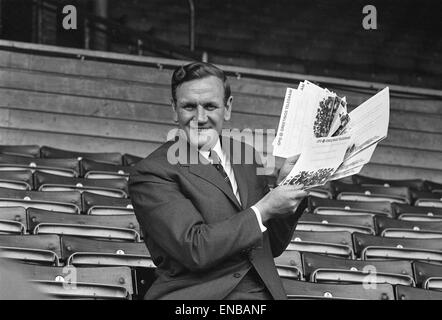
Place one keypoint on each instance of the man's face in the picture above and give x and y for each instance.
(200, 110)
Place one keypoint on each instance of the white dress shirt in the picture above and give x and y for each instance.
(225, 162)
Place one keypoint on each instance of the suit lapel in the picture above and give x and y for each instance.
(241, 181)
(206, 171)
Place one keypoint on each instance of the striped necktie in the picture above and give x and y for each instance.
(216, 162)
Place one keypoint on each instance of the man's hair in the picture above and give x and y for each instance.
(198, 70)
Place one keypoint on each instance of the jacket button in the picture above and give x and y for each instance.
(237, 274)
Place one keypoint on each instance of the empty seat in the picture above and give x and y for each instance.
(100, 170)
(32, 151)
(370, 247)
(44, 249)
(416, 184)
(408, 229)
(336, 243)
(320, 268)
(318, 222)
(433, 186)
(61, 167)
(55, 153)
(308, 290)
(428, 275)
(107, 227)
(130, 159)
(80, 282)
(109, 187)
(369, 193)
(342, 207)
(410, 293)
(289, 265)
(64, 201)
(412, 213)
(13, 220)
(95, 204)
(79, 251)
(19, 180)
(427, 199)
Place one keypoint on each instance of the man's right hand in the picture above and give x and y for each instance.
(281, 200)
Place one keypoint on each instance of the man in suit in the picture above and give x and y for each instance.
(211, 225)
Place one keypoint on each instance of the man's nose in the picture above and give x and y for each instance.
(201, 115)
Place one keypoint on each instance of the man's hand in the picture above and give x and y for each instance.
(289, 163)
(280, 201)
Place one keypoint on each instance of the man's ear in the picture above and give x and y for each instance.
(175, 113)
(228, 111)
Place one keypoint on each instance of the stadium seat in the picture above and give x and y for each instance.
(318, 222)
(13, 220)
(143, 279)
(99, 170)
(308, 290)
(96, 204)
(43, 249)
(369, 247)
(360, 193)
(80, 282)
(60, 167)
(19, 180)
(80, 251)
(336, 243)
(415, 184)
(109, 187)
(325, 191)
(354, 208)
(64, 201)
(289, 265)
(326, 269)
(408, 229)
(428, 275)
(410, 293)
(412, 213)
(130, 160)
(32, 151)
(427, 199)
(119, 227)
(55, 153)
(433, 186)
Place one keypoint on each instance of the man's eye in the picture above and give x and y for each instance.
(210, 107)
(188, 107)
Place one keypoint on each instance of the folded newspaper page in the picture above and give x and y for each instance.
(332, 143)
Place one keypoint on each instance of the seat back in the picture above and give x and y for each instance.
(410, 293)
(96, 204)
(55, 153)
(44, 249)
(309, 290)
(13, 220)
(408, 229)
(336, 243)
(31, 151)
(79, 251)
(341, 207)
(318, 222)
(428, 275)
(20, 180)
(289, 265)
(415, 184)
(412, 213)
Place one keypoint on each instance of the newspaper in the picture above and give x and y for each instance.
(331, 142)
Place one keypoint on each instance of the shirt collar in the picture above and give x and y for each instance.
(217, 148)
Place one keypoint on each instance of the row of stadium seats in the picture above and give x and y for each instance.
(34, 151)
(66, 201)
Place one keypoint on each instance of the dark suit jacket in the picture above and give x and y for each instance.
(201, 239)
